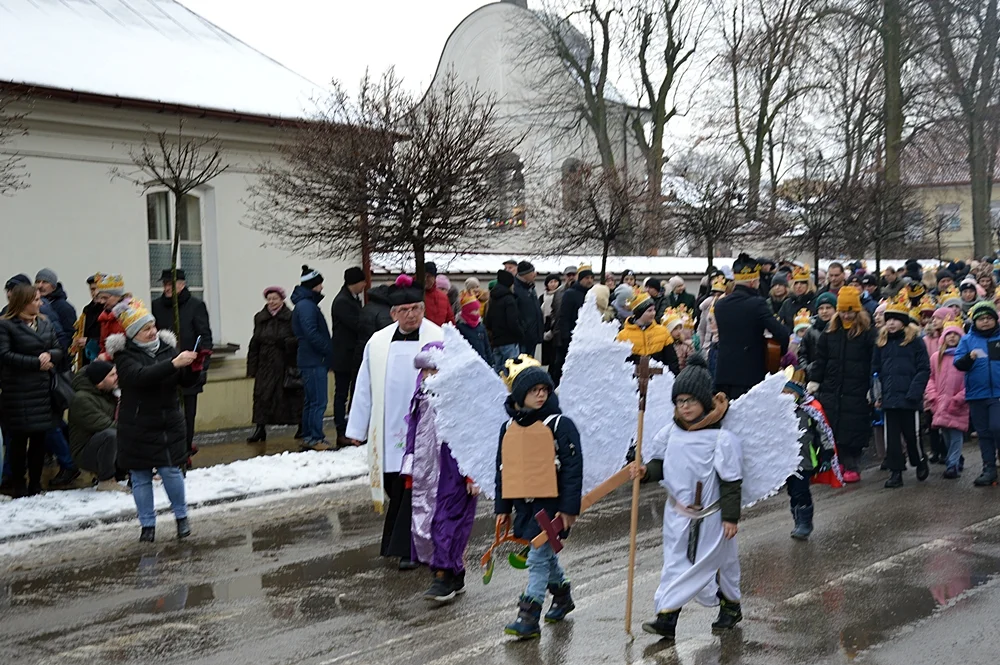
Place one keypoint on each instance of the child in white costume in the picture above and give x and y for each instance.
(700, 560)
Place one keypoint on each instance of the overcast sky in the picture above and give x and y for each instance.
(325, 39)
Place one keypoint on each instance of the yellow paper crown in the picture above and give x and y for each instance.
(109, 282)
(927, 303)
(953, 322)
(672, 317)
(802, 319)
(915, 315)
(515, 366)
(747, 273)
(951, 293)
(720, 283)
(899, 305)
(916, 289)
(637, 299)
(801, 274)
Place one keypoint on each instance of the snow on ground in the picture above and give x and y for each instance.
(259, 475)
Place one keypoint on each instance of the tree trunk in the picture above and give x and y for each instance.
(753, 185)
(419, 255)
(982, 185)
(604, 260)
(892, 37)
(173, 266)
(710, 250)
(878, 257)
(366, 253)
(816, 259)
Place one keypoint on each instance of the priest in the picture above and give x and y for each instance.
(381, 402)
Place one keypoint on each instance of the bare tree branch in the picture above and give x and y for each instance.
(13, 175)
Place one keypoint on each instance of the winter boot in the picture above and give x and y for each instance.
(730, 614)
(987, 477)
(259, 435)
(299, 434)
(562, 603)
(148, 534)
(458, 582)
(443, 588)
(664, 625)
(950, 473)
(923, 470)
(895, 480)
(525, 626)
(183, 528)
(803, 522)
(64, 478)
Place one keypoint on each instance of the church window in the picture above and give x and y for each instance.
(159, 223)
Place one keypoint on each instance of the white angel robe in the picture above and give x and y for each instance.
(704, 456)
(382, 394)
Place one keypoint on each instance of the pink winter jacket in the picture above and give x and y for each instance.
(932, 344)
(946, 394)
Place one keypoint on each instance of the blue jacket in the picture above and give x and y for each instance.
(569, 476)
(311, 329)
(982, 375)
(903, 371)
(477, 338)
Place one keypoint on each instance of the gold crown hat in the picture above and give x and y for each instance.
(515, 366)
(801, 274)
(720, 283)
(803, 319)
(672, 317)
(915, 289)
(898, 308)
(915, 314)
(637, 299)
(113, 284)
(927, 304)
(950, 295)
(748, 272)
(133, 316)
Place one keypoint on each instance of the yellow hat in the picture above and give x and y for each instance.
(133, 316)
(113, 284)
(800, 274)
(720, 284)
(849, 300)
(803, 319)
(515, 366)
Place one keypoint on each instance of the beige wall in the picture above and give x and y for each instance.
(958, 244)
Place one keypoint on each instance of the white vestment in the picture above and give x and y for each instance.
(386, 382)
(704, 456)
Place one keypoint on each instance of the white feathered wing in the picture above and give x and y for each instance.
(764, 420)
(659, 405)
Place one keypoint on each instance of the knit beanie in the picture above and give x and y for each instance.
(505, 278)
(47, 275)
(552, 278)
(943, 313)
(133, 316)
(675, 281)
(694, 380)
(528, 379)
(780, 279)
(97, 371)
(653, 283)
(827, 299)
(472, 283)
(310, 278)
(427, 358)
(354, 275)
(525, 268)
(849, 300)
(442, 282)
(983, 308)
(953, 327)
(17, 280)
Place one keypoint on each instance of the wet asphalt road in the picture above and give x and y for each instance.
(905, 576)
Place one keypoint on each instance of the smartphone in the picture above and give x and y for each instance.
(197, 343)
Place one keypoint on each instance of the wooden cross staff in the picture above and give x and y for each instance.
(643, 372)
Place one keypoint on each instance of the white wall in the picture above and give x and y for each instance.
(77, 221)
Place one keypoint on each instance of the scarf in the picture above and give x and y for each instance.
(472, 318)
(274, 310)
(720, 406)
(150, 348)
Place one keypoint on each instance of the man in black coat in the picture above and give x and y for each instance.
(52, 291)
(503, 321)
(742, 318)
(569, 310)
(346, 315)
(375, 315)
(529, 309)
(195, 329)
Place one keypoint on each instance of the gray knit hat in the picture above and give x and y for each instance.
(695, 380)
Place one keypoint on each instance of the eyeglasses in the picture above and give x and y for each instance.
(412, 309)
(687, 401)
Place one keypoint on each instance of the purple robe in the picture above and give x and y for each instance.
(443, 510)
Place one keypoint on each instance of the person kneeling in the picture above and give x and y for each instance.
(93, 432)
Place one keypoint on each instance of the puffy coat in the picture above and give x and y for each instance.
(529, 313)
(375, 315)
(569, 311)
(808, 351)
(25, 404)
(109, 326)
(982, 375)
(194, 325)
(843, 371)
(945, 394)
(64, 312)
(272, 350)
(151, 427)
(437, 307)
(346, 317)
(90, 412)
(903, 370)
(310, 327)
(477, 338)
(791, 306)
(502, 319)
(653, 341)
(742, 317)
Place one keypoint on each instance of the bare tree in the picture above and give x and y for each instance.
(811, 223)
(179, 163)
(968, 53)
(13, 176)
(400, 174)
(876, 214)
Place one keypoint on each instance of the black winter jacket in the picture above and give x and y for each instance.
(903, 371)
(65, 312)
(194, 324)
(843, 371)
(791, 306)
(151, 427)
(375, 315)
(569, 475)
(742, 317)
(529, 314)
(25, 404)
(808, 352)
(346, 317)
(569, 311)
(503, 318)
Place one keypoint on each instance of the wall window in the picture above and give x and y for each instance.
(508, 185)
(948, 213)
(572, 190)
(159, 223)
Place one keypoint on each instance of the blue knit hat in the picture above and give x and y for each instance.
(528, 379)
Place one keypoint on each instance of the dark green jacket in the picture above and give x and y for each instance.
(90, 412)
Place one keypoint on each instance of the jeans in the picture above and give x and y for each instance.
(543, 570)
(314, 406)
(986, 419)
(502, 354)
(343, 387)
(798, 490)
(142, 492)
(953, 439)
(56, 443)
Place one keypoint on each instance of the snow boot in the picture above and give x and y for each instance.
(664, 625)
(259, 435)
(148, 534)
(923, 470)
(950, 473)
(730, 614)
(64, 478)
(895, 480)
(525, 626)
(183, 528)
(443, 588)
(987, 477)
(803, 522)
(562, 603)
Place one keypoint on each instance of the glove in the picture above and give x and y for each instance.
(812, 387)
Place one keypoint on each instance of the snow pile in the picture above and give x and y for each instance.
(259, 475)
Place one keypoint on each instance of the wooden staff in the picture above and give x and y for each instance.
(643, 372)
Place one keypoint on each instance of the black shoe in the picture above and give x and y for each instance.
(148, 534)
(443, 588)
(923, 470)
(299, 434)
(730, 614)
(183, 528)
(562, 603)
(950, 473)
(525, 626)
(406, 564)
(895, 480)
(884, 466)
(961, 463)
(803, 516)
(259, 434)
(664, 625)
(934, 459)
(64, 477)
(458, 582)
(986, 478)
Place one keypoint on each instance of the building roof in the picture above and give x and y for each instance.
(150, 50)
(937, 158)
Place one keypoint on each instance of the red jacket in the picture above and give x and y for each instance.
(437, 307)
(109, 326)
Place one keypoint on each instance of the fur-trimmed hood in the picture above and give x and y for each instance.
(116, 342)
